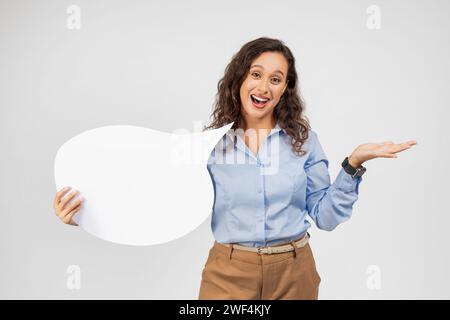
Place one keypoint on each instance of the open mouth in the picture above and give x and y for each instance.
(258, 102)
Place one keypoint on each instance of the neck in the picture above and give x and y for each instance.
(258, 124)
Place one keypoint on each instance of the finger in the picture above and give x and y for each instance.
(66, 212)
(407, 144)
(70, 207)
(69, 216)
(404, 146)
(400, 149)
(397, 148)
(68, 198)
(59, 194)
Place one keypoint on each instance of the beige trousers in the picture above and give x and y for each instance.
(232, 274)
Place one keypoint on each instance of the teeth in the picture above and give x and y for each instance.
(259, 99)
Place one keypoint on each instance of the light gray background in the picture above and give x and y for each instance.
(156, 64)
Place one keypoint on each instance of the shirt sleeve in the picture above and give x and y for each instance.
(327, 204)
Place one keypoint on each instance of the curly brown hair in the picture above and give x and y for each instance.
(289, 110)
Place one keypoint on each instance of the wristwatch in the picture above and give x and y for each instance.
(354, 172)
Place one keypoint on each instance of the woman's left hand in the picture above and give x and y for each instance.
(386, 149)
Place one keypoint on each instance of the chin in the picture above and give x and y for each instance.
(259, 114)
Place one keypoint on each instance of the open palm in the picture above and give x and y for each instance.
(385, 149)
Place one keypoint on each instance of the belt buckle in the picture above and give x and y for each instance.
(269, 250)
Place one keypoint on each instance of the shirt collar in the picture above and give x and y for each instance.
(277, 128)
(230, 133)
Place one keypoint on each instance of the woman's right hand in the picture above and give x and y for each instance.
(64, 207)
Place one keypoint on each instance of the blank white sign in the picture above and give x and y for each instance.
(140, 186)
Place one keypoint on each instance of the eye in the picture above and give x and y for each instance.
(277, 80)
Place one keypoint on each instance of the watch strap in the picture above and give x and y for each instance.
(354, 172)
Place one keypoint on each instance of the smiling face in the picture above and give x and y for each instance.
(263, 87)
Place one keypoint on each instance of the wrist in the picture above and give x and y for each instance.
(355, 163)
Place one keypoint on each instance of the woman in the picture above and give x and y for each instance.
(269, 172)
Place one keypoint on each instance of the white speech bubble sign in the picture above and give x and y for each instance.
(140, 186)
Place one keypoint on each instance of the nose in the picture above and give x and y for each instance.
(263, 86)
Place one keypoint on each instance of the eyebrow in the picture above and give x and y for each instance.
(257, 65)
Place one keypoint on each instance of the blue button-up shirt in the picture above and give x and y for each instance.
(264, 199)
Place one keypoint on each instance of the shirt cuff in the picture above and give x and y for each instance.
(346, 183)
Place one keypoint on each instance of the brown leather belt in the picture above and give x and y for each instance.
(274, 249)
